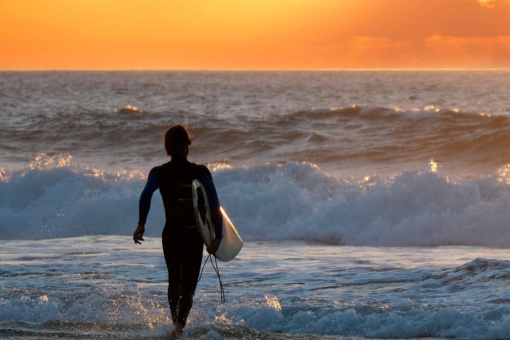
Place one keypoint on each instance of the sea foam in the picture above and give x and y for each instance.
(291, 201)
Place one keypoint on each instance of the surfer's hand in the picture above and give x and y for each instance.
(138, 235)
(214, 246)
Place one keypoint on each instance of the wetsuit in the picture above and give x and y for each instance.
(182, 244)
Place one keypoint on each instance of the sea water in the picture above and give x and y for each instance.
(372, 204)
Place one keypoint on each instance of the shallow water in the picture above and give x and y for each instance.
(106, 286)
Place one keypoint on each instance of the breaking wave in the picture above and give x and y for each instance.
(292, 201)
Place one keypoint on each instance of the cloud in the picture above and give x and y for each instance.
(487, 3)
(473, 52)
(436, 52)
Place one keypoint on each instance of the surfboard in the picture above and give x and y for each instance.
(231, 242)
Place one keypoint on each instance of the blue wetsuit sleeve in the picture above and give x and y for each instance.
(214, 203)
(145, 198)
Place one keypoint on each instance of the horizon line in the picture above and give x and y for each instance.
(255, 70)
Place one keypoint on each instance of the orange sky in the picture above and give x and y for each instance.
(253, 34)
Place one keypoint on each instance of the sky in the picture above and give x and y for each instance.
(254, 34)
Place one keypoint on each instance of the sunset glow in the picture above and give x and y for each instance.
(254, 34)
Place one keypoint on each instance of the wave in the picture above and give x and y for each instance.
(357, 137)
(362, 137)
(292, 201)
(129, 109)
(413, 208)
(480, 272)
(54, 198)
(384, 135)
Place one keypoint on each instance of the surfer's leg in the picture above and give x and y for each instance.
(190, 273)
(174, 266)
(174, 295)
(177, 332)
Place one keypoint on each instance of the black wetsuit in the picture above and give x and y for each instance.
(182, 244)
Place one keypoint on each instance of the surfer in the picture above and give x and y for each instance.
(182, 244)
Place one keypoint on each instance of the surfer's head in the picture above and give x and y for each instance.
(177, 141)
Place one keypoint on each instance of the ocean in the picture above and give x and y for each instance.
(373, 204)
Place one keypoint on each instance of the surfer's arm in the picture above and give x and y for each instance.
(214, 204)
(144, 204)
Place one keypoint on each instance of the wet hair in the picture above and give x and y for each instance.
(176, 139)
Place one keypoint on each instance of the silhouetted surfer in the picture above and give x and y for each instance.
(182, 244)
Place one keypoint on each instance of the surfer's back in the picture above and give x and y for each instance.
(175, 187)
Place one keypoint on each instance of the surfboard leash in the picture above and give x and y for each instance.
(215, 263)
(217, 270)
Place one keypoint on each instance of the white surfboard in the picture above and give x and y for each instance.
(232, 242)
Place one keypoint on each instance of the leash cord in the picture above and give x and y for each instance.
(215, 267)
(217, 270)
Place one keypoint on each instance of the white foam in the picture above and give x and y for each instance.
(415, 208)
(294, 201)
(50, 201)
